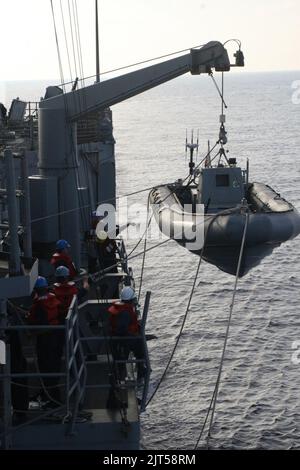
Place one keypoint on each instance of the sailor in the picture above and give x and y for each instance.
(101, 248)
(45, 311)
(107, 249)
(64, 289)
(123, 321)
(62, 258)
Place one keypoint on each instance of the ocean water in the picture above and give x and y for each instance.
(259, 401)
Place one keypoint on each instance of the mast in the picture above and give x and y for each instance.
(97, 44)
(192, 147)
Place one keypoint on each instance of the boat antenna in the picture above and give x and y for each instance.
(97, 43)
(208, 159)
(192, 147)
(197, 149)
(186, 142)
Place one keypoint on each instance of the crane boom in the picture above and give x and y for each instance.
(102, 95)
(59, 113)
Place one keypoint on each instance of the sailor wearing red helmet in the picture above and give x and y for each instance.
(123, 321)
(45, 311)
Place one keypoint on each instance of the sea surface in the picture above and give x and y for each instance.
(259, 398)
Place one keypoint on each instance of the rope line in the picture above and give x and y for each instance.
(102, 202)
(178, 336)
(136, 63)
(39, 219)
(57, 42)
(145, 248)
(221, 93)
(66, 41)
(213, 402)
(226, 211)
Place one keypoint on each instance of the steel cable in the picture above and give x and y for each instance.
(213, 402)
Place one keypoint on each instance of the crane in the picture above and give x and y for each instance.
(59, 114)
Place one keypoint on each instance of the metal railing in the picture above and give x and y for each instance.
(74, 373)
(122, 255)
(74, 362)
(129, 362)
(32, 109)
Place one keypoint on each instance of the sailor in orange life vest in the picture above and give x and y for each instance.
(62, 258)
(123, 321)
(45, 311)
(65, 290)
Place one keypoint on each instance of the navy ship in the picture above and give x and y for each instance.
(57, 167)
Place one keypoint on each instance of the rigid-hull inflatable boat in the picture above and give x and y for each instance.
(224, 196)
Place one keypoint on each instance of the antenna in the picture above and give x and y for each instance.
(208, 159)
(192, 147)
(97, 43)
(186, 142)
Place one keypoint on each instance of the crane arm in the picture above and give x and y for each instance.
(104, 94)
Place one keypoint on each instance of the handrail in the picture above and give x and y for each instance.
(128, 339)
(74, 363)
(34, 327)
(32, 108)
(74, 372)
(148, 367)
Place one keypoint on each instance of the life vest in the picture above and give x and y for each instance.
(65, 292)
(114, 313)
(50, 305)
(63, 259)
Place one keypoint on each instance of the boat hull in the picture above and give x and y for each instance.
(223, 232)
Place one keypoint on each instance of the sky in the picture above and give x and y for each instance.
(134, 30)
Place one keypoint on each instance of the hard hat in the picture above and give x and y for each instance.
(41, 282)
(62, 245)
(127, 293)
(101, 235)
(62, 271)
